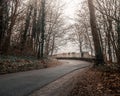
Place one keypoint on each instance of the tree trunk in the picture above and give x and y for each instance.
(98, 49)
(6, 43)
(27, 23)
(42, 28)
(118, 31)
(80, 46)
(1, 23)
(109, 41)
(53, 45)
(47, 45)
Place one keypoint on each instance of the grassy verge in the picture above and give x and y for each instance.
(12, 64)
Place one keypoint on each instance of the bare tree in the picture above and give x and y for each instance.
(96, 39)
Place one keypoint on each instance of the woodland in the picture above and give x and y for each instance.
(32, 30)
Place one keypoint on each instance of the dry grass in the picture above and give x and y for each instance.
(12, 65)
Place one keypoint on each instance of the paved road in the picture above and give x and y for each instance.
(23, 83)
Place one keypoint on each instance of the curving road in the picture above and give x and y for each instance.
(23, 83)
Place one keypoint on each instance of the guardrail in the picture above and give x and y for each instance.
(76, 58)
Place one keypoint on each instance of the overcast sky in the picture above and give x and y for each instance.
(70, 11)
(71, 6)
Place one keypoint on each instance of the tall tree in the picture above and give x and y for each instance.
(13, 7)
(109, 10)
(1, 22)
(42, 28)
(96, 39)
(27, 24)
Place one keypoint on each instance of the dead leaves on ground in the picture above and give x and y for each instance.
(97, 83)
(111, 83)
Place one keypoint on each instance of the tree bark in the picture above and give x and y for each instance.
(109, 41)
(118, 31)
(96, 40)
(27, 24)
(42, 28)
(1, 23)
(6, 43)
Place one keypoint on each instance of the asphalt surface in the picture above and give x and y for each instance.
(24, 83)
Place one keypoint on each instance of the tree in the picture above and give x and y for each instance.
(27, 25)
(96, 39)
(42, 28)
(1, 23)
(109, 25)
(13, 7)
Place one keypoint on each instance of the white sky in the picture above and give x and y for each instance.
(70, 12)
(71, 6)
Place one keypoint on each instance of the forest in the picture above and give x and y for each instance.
(33, 31)
(30, 27)
(37, 28)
